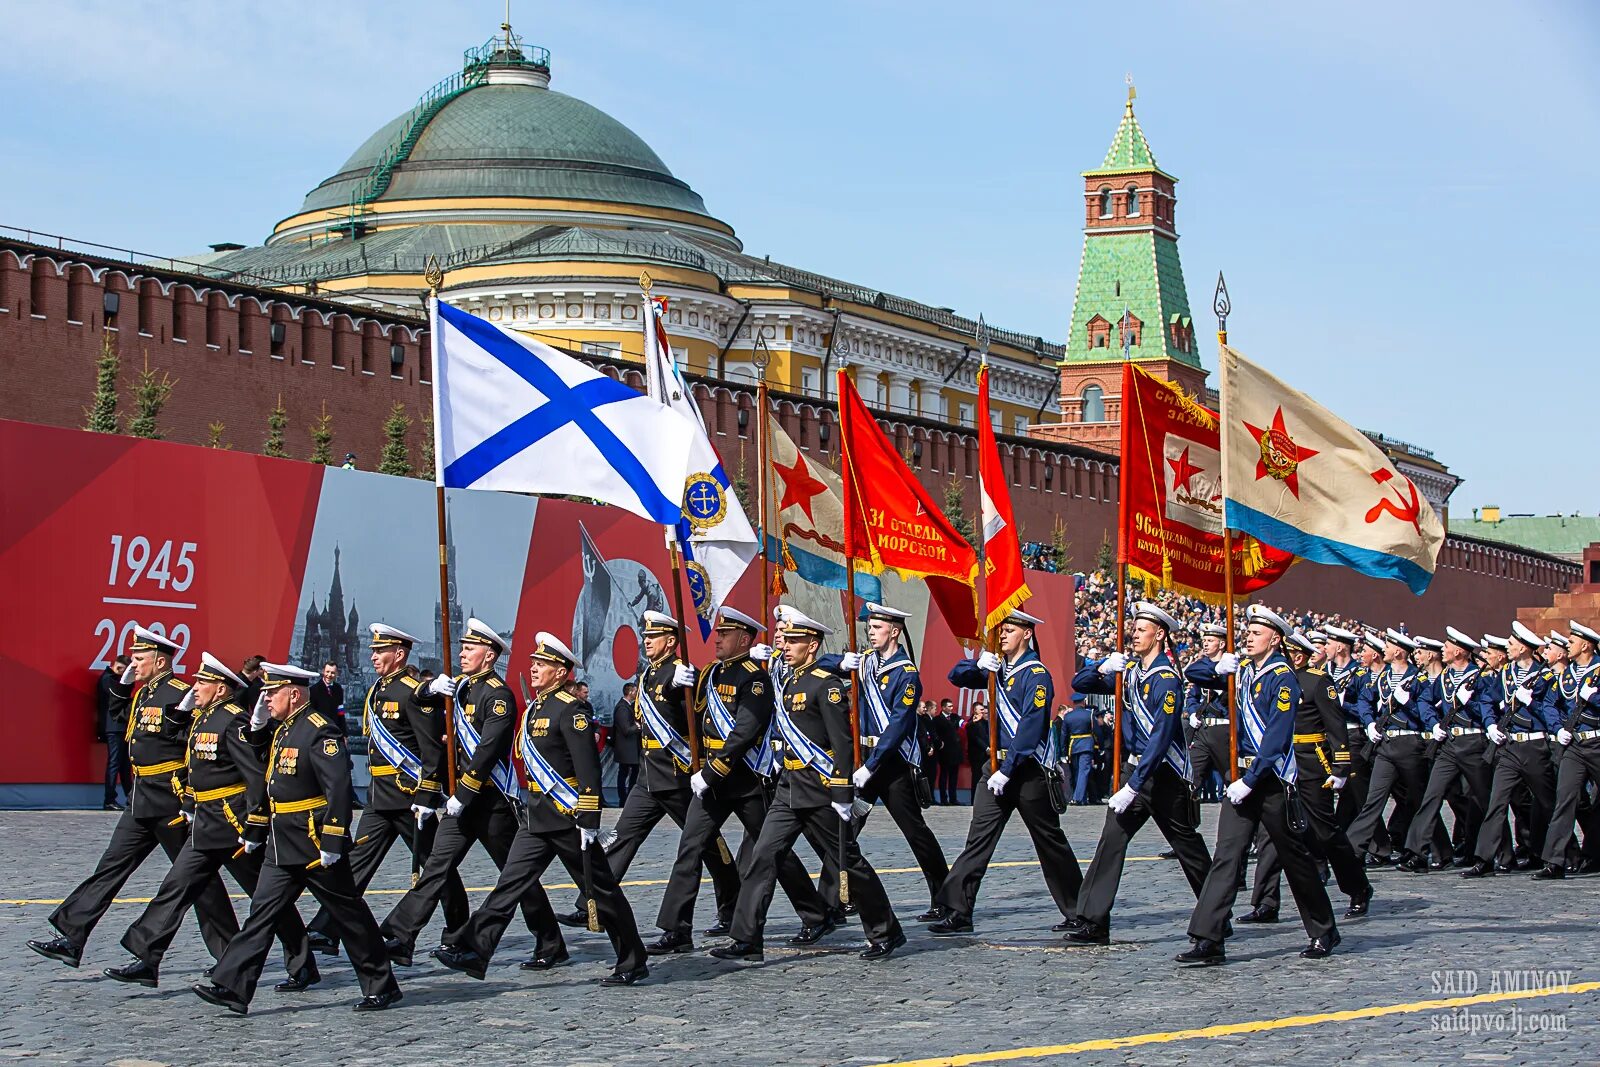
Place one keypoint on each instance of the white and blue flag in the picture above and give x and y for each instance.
(712, 531)
(515, 415)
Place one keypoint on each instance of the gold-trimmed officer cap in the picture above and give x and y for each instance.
(1526, 636)
(798, 624)
(659, 624)
(551, 649)
(1316, 637)
(150, 641)
(277, 675)
(734, 619)
(1265, 616)
(213, 669)
(1300, 643)
(1590, 635)
(481, 633)
(1457, 637)
(1143, 609)
(386, 636)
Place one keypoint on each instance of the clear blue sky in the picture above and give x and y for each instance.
(1402, 194)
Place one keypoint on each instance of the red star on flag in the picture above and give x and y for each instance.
(1183, 471)
(1280, 456)
(800, 486)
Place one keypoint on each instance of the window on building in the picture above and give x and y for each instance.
(1105, 201)
(1133, 200)
(1019, 425)
(1092, 404)
(1099, 332)
(964, 411)
(811, 381)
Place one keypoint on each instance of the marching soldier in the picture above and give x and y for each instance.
(562, 821)
(305, 828)
(1395, 720)
(483, 807)
(157, 736)
(1459, 698)
(227, 783)
(890, 689)
(814, 794)
(663, 790)
(734, 699)
(1579, 738)
(405, 731)
(1207, 713)
(1518, 729)
(1262, 795)
(1320, 753)
(1352, 672)
(1156, 779)
(1023, 698)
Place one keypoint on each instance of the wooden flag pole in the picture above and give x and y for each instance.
(761, 358)
(435, 278)
(1116, 721)
(1222, 304)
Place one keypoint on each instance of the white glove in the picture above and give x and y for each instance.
(698, 783)
(1497, 735)
(859, 779)
(1587, 693)
(761, 653)
(1438, 732)
(421, 813)
(1402, 696)
(329, 858)
(260, 713)
(250, 846)
(129, 675)
(1524, 695)
(850, 661)
(1334, 782)
(1227, 663)
(1373, 733)
(188, 816)
(587, 837)
(1194, 722)
(453, 807)
(842, 810)
(1463, 695)
(1564, 736)
(997, 782)
(1121, 800)
(442, 686)
(1237, 791)
(683, 674)
(988, 661)
(1113, 663)
(187, 703)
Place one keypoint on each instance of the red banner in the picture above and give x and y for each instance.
(1004, 587)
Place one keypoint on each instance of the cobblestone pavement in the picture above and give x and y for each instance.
(1012, 987)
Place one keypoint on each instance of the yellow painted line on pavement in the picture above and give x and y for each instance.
(28, 902)
(1257, 1026)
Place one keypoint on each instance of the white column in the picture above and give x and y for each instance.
(900, 392)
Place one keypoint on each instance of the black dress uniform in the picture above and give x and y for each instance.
(1460, 700)
(488, 817)
(1156, 769)
(1395, 704)
(1579, 762)
(1321, 752)
(1209, 743)
(734, 788)
(415, 720)
(1349, 681)
(227, 781)
(1527, 716)
(1025, 686)
(157, 736)
(307, 814)
(556, 746)
(818, 761)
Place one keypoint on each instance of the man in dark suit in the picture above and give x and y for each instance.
(625, 741)
(978, 742)
(111, 726)
(1078, 728)
(327, 697)
(947, 732)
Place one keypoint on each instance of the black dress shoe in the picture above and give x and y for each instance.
(1321, 947)
(399, 952)
(951, 925)
(847, 910)
(303, 979)
(111, 805)
(1479, 869)
(544, 963)
(1550, 870)
(882, 950)
(58, 949)
(932, 915)
(1414, 864)
(1066, 926)
(321, 942)
(720, 928)
(1376, 861)
(1260, 915)
(1359, 903)
(380, 1001)
(810, 935)
(222, 998)
(1169, 854)
(1089, 934)
(633, 977)
(738, 950)
(462, 959)
(1203, 953)
(838, 916)
(1463, 861)
(136, 973)
(207, 972)
(669, 943)
(578, 918)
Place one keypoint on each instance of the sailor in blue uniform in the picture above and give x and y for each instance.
(1396, 719)
(1579, 762)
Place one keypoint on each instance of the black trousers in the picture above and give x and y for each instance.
(1353, 797)
(782, 827)
(1324, 838)
(702, 825)
(895, 783)
(1167, 799)
(1457, 762)
(627, 778)
(1398, 771)
(531, 854)
(1208, 751)
(640, 814)
(1580, 765)
(376, 833)
(118, 770)
(193, 872)
(239, 969)
(946, 776)
(1518, 764)
(492, 824)
(132, 841)
(1025, 794)
(1236, 826)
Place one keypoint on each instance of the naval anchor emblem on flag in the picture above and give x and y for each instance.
(704, 503)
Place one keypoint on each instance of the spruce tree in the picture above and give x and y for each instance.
(214, 435)
(396, 457)
(149, 397)
(955, 507)
(101, 415)
(425, 468)
(276, 423)
(322, 434)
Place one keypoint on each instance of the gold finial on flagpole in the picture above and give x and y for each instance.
(433, 275)
(645, 282)
(1132, 92)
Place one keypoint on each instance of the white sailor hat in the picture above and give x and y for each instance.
(799, 624)
(213, 669)
(1339, 633)
(885, 613)
(1580, 630)
(1143, 609)
(734, 619)
(1372, 639)
(1559, 638)
(1432, 644)
(1395, 637)
(1265, 616)
(1018, 617)
(551, 649)
(1491, 641)
(1526, 636)
(1301, 643)
(1214, 629)
(1316, 637)
(277, 675)
(658, 623)
(1456, 637)
(386, 636)
(481, 633)
(150, 641)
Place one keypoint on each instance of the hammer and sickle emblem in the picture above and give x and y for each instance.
(1402, 509)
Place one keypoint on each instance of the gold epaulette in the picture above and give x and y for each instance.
(495, 683)
(409, 682)
(1315, 670)
(566, 697)
(178, 683)
(317, 719)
